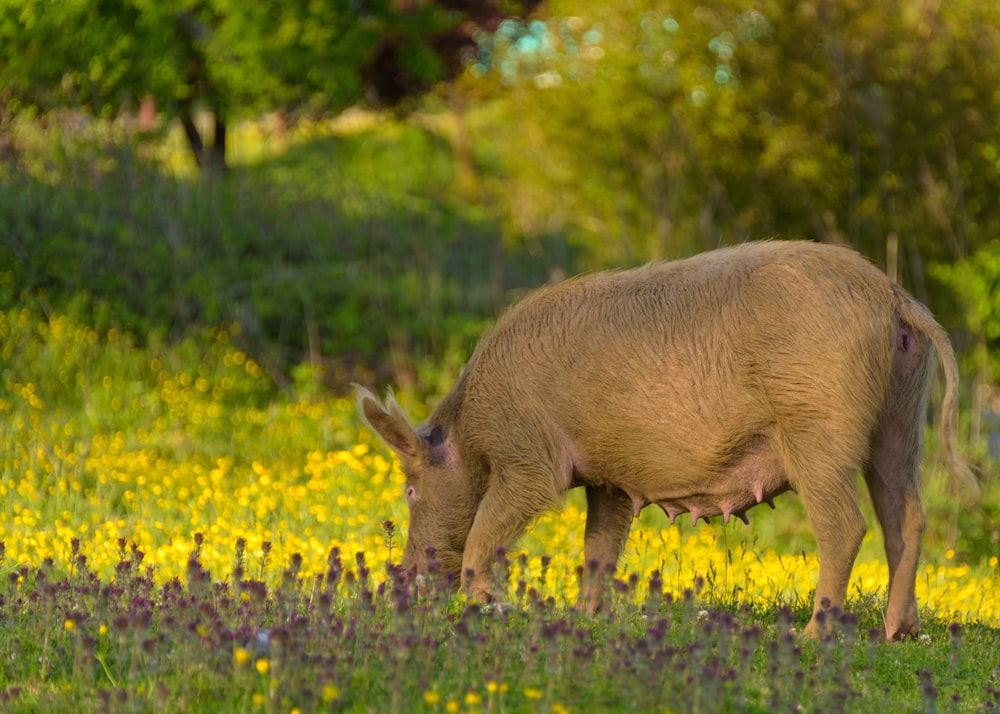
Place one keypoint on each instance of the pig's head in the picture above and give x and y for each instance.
(441, 502)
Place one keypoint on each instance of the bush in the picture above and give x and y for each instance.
(350, 251)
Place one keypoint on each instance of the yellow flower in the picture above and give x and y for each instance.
(559, 709)
(263, 666)
(473, 698)
(330, 692)
(994, 561)
(949, 554)
(431, 697)
(532, 693)
(241, 656)
(102, 630)
(452, 706)
(258, 699)
(492, 687)
(69, 625)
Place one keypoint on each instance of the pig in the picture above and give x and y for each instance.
(704, 386)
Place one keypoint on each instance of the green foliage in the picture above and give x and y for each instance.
(650, 131)
(976, 280)
(607, 134)
(49, 58)
(349, 249)
(103, 381)
(240, 58)
(234, 59)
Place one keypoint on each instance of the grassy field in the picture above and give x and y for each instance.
(191, 522)
(178, 536)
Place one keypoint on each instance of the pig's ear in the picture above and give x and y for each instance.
(388, 422)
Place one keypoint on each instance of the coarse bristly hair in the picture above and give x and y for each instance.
(705, 386)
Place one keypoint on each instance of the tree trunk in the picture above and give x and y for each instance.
(211, 160)
(195, 142)
(216, 163)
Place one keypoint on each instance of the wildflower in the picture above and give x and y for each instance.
(263, 666)
(532, 693)
(241, 656)
(258, 699)
(330, 692)
(473, 698)
(69, 625)
(559, 709)
(929, 691)
(452, 706)
(431, 698)
(955, 630)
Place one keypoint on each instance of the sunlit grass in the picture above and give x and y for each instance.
(177, 534)
(102, 441)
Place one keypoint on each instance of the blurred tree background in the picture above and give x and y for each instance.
(171, 164)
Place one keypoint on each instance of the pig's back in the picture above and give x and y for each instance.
(677, 365)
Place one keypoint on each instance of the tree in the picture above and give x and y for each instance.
(234, 59)
(976, 282)
(649, 130)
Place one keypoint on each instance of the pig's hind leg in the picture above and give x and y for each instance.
(893, 477)
(893, 482)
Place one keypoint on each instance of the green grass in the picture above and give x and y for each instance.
(347, 248)
(341, 642)
(192, 522)
(170, 523)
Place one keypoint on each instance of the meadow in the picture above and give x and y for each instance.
(180, 536)
(193, 521)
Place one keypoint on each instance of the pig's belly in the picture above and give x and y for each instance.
(725, 487)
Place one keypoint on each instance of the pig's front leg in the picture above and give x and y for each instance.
(506, 508)
(609, 516)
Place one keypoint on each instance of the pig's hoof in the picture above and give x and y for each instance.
(500, 608)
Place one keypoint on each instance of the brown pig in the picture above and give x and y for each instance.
(704, 386)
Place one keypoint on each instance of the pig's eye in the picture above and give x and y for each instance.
(411, 493)
(436, 437)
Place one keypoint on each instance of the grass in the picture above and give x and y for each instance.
(341, 641)
(342, 247)
(178, 536)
